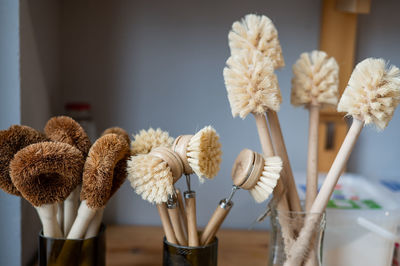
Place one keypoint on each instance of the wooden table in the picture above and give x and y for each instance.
(142, 245)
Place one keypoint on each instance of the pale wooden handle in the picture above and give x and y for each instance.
(181, 208)
(312, 160)
(214, 223)
(168, 230)
(287, 173)
(48, 216)
(176, 224)
(190, 203)
(71, 205)
(60, 216)
(82, 221)
(263, 134)
(95, 224)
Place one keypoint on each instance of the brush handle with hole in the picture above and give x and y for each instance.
(325, 192)
(181, 208)
(215, 222)
(71, 205)
(190, 203)
(95, 224)
(48, 216)
(168, 230)
(280, 147)
(82, 221)
(312, 158)
(60, 216)
(173, 213)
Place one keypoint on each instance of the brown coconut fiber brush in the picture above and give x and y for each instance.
(371, 97)
(45, 173)
(251, 172)
(200, 154)
(315, 85)
(98, 180)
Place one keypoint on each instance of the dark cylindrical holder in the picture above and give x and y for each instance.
(175, 255)
(77, 252)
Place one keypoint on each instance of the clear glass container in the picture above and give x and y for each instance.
(285, 228)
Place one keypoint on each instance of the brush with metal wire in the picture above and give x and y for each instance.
(315, 86)
(200, 154)
(251, 172)
(98, 180)
(67, 130)
(371, 97)
(258, 33)
(45, 173)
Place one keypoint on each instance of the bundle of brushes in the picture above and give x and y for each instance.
(371, 97)
(57, 169)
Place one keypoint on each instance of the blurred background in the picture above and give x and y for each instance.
(142, 64)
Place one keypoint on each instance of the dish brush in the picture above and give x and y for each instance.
(145, 141)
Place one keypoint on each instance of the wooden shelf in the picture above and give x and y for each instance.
(142, 245)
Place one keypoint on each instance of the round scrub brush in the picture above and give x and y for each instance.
(371, 96)
(200, 154)
(251, 172)
(11, 141)
(314, 85)
(118, 131)
(67, 130)
(257, 33)
(98, 179)
(45, 173)
(145, 141)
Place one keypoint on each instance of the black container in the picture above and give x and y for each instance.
(71, 252)
(175, 255)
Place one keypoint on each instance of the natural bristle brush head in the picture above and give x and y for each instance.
(200, 153)
(99, 170)
(251, 84)
(153, 175)
(315, 80)
(256, 174)
(257, 32)
(145, 141)
(67, 130)
(119, 131)
(373, 92)
(11, 141)
(46, 172)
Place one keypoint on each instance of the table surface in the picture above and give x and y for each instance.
(142, 245)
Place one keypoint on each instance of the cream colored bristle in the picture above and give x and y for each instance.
(257, 32)
(151, 177)
(145, 141)
(315, 80)
(251, 84)
(204, 153)
(268, 180)
(373, 92)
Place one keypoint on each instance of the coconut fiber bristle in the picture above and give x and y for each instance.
(145, 141)
(118, 131)
(204, 153)
(67, 130)
(373, 92)
(257, 32)
(315, 80)
(151, 177)
(251, 84)
(11, 141)
(46, 172)
(105, 154)
(268, 180)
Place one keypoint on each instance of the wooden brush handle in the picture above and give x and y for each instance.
(82, 221)
(190, 203)
(176, 224)
(48, 216)
(181, 208)
(215, 222)
(168, 230)
(95, 224)
(287, 174)
(60, 216)
(71, 205)
(312, 160)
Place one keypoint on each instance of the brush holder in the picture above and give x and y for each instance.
(176, 255)
(285, 226)
(77, 252)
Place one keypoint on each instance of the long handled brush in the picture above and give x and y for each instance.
(315, 85)
(250, 172)
(371, 97)
(39, 172)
